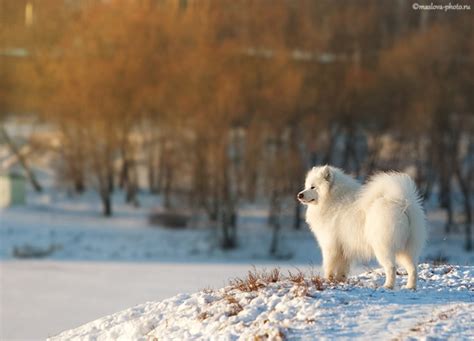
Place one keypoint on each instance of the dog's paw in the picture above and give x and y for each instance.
(408, 288)
(388, 287)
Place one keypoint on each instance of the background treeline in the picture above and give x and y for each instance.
(221, 102)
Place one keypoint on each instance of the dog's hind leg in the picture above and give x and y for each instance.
(387, 260)
(407, 262)
(383, 233)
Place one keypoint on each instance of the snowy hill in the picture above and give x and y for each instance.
(275, 306)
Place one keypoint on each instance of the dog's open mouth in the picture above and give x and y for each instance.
(303, 201)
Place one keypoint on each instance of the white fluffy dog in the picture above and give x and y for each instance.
(383, 218)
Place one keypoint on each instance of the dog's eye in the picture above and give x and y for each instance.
(312, 187)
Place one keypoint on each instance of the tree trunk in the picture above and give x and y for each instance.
(110, 181)
(274, 219)
(465, 190)
(275, 224)
(79, 186)
(168, 182)
(373, 154)
(251, 184)
(131, 195)
(296, 171)
(153, 168)
(152, 173)
(132, 186)
(275, 235)
(233, 227)
(327, 159)
(297, 217)
(105, 179)
(124, 174)
(445, 200)
(106, 203)
(228, 226)
(29, 173)
(228, 215)
(162, 160)
(350, 151)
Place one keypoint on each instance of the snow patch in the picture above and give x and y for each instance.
(292, 308)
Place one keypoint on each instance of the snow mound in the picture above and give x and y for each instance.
(276, 307)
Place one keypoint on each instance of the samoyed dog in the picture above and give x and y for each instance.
(383, 218)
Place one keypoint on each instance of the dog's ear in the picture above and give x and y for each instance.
(327, 173)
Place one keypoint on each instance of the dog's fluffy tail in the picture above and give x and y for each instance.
(399, 189)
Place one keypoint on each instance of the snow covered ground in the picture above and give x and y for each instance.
(92, 266)
(73, 229)
(59, 227)
(51, 296)
(296, 308)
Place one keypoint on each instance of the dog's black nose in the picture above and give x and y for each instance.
(300, 195)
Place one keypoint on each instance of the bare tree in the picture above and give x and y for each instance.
(21, 159)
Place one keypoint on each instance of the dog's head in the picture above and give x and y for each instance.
(317, 185)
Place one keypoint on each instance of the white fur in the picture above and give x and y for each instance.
(382, 219)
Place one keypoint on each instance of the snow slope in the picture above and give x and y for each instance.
(302, 308)
(81, 279)
(74, 293)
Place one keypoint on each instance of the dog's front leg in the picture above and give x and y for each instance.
(342, 269)
(330, 263)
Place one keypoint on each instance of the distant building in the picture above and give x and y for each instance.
(12, 190)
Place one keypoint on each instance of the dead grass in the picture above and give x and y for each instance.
(255, 280)
(234, 306)
(448, 269)
(297, 278)
(202, 316)
(273, 276)
(207, 290)
(231, 299)
(317, 282)
(277, 336)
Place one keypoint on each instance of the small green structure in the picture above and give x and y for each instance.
(12, 190)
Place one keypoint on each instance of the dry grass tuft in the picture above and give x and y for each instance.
(272, 277)
(234, 306)
(207, 290)
(317, 282)
(202, 316)
(278, 335)
(297, 278)
(448, 269)
(231, 299)
(253, 282)
(256, 280)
